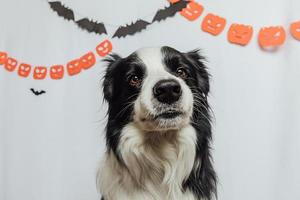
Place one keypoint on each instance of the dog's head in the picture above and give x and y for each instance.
(159, 89)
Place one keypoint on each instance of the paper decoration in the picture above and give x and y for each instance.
(273, 36)
(36, 92)
(61, 10)
(192, 11)
(24, 70)
(213, 24)
(74, 67)
(88, 60)
(295, 30)
(3, 57)
(104, 48)
(132, 28)
(56, 72)
(173, 1)
(40, 73)
(10, 64)
(240, 34)
(84, 23)
(170, 11)
(90, 26)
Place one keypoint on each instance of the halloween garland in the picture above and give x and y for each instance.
(56, 72)
(239, 34)
(122, 31)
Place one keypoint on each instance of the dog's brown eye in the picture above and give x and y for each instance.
(181, 72)
(134, 80)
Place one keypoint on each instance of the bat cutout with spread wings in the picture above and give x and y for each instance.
(83, 23)
(36, 92)
(122, 31)
(169, 11)
(131, 29)
(91, 26)
(61, 10)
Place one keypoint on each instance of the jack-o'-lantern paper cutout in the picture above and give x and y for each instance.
(74, 67)
(213, 24)
(240, 34)
(24, 70)
(271, 36)
(104, 48)
(10, 64)
(57, 72)
(192, 11)
(88, 60)
(39, 73)
(173, 1)
(295, 30)
(3, 57)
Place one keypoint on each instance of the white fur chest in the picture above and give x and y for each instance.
(156, 165)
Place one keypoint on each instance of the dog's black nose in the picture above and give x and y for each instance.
(167, 91)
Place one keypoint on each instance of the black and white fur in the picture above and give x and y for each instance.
(158, 148)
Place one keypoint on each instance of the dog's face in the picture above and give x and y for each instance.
(158, 89)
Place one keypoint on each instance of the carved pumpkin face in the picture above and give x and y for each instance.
(88, 60)
(104, 48)
(3, 57)
(240, 34)
(24, 69)
(271, 36)
(10, 64)
(40, 73)
(192, 11)
(295, 30)
(57, 71)
(213, 24)
(74, 67)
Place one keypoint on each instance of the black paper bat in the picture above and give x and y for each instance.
(61, 10)
(91, 26)
(37, 93)
(131, 29)
(169, 11)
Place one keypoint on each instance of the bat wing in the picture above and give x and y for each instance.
(131, 29)
(90, 26)
(169, 11)
(61, 10)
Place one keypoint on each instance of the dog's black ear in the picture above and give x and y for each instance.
(197, 60)
(113, 61)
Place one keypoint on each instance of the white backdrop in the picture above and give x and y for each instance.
(50, 145)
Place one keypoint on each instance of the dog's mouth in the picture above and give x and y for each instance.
(168, 115)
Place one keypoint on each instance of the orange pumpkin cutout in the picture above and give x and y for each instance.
(10, 64)
(271, 36)
(240, 34)
(3, 57)
(213, 24)
(295, 30)
(88, 60)
(57, 72)
(192, 11)
(39, 73)
(173, 1)
(104, 48)
(24, 69)
(74, 67)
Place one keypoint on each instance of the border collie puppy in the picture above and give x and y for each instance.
(158, 132)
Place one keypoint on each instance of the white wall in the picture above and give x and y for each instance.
(50, 145)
